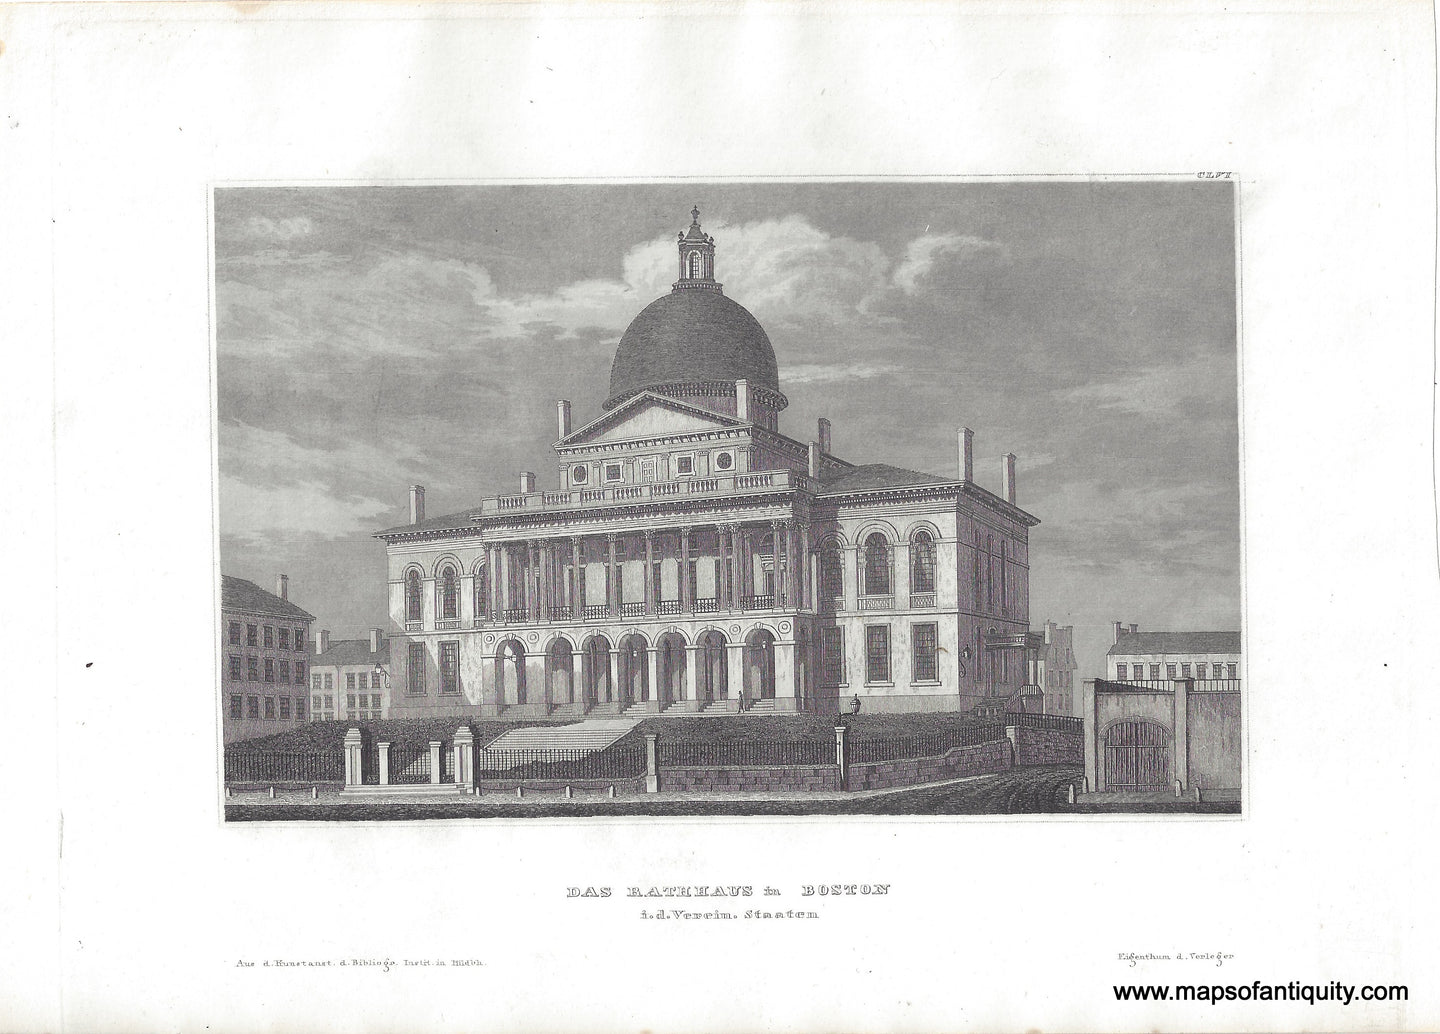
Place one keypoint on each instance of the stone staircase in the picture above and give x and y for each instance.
(719, 707)
(590, 735)
(760, 707)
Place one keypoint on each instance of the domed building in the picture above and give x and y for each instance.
(692, 558)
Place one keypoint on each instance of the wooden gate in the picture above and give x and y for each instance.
(1137, 756)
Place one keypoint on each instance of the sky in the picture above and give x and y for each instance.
(373, 337)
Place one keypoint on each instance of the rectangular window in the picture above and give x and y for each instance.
(284, 638)
(1200, 670)
(449, 667)
(350, 680)
(269, 669)
(1185, 671)
(284, 671)
(416, 670)
(237, 706)
(1155, 671)
(612, 473)
(299, 639)
(284, 709)
(252, 668)
(253, 705)
(375, 679)
(270, 708)
(299, 673)
(350, 705)
(684, 466)
(234, 667)
(315, 681)
(269, 636)
(1170, 671)
(251, 634)
(329, 680)
(299, 709)
(877, 653)
(234, 633)
(925, 641)
(1233, 669)
(317, 705)
(1120, 670)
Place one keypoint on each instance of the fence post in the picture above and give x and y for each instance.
(352, 758)
(435, 746)
(464, 756)
(652, 772)
(384, 748)
(840, 757)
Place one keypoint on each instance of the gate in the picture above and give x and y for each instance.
(1137, 756)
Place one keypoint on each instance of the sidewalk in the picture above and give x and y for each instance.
(450, 798)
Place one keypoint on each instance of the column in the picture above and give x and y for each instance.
(687, 604)
(807, 566)
(542, 586)
(693, 656)
(614, 678)
(1180, 767)
(736, 587)
(435, 746)
(1092, 753)
(612, 580)
(735, 657)
(652, 672)
(841, 759)
(794, 567)
(785, 676)
(537, 686)
(650, 601)
(778, 574)
(850, 576)
(577, 602)
(900, 577)
(532, 581)
(494, 572)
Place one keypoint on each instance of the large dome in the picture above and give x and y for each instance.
(691, 337)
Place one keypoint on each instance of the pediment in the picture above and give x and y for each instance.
(648, 416)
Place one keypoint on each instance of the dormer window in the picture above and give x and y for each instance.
(613, 473)
(579, 475)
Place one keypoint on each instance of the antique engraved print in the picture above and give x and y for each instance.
(689, 498)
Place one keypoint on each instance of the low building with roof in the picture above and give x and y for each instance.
(691, 557)
(1062, 694)
(350, 678)
(1142, 657)
(264, 658)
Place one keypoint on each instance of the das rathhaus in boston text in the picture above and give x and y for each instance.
(695, 559)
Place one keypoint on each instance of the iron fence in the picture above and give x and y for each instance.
(370, 765)
(743, 753)
(291, 766)
(1056, 722)
(922, 745)
(613, 763)
(409, 764)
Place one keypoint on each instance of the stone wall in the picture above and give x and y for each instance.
(981, 759)
(700, 778)
(1048, 747)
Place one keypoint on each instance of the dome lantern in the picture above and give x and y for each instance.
(697, 257)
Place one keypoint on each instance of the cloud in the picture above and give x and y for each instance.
(818, 373)
(947, 259)
(1155, 391)
(280, 229)
(260, 514)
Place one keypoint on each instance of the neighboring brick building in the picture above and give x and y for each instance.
(1145, 657)
(350, 678)
(692, 557)
(1057, 671)
(264, 659)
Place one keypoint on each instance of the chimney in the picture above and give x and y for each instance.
(376, 635)
(1049, 632)
(1118, 629)
(563, 417)
(1134, 629)
(527, 481)
(814, 466)
(1007, 477)
(322, 642)
(825, 436)
(282, 586)
(742, 399)
(967, 454)
(417, 503)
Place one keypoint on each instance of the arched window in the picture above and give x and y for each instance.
(832, 576)
(482, 599)
(412, 595)
(876, 558)
(922, 562)
(449, 594)
(695, 265)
